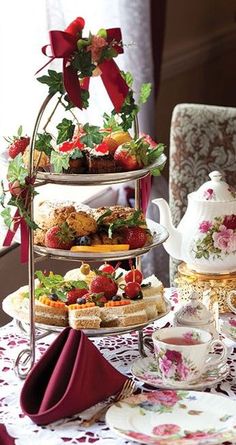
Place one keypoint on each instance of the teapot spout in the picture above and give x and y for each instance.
(173, 243)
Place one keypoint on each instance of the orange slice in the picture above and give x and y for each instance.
(100, 248)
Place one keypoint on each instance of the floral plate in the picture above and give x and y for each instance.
(174, 418)
(146, 370)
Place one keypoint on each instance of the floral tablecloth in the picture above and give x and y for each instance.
(121, 351)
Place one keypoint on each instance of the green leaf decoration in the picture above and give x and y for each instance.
(144, 93)
(7, 218)
(17, 170)
(76, 154)
(59, 161)
(110, 121)
(54, 80)
(82, 63)
(55, 283)
(92, 135)
(66, 130)
(43, 143)
(85, 97)
(128, 78)
(20, 131)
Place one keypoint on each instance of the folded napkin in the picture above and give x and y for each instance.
(70, 377)
(5, 439)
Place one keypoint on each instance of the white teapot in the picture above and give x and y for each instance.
(205, 238)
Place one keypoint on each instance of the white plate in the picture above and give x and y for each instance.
(145, 369)
(9, 309)
(159, 234)
(99, 178)
(174, 418)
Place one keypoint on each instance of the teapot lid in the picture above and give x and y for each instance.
(215, 190)
(194, 313)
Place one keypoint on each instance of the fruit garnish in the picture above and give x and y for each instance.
(59, 237)
(112, 303)
(132, 290)
(136, 237)
(120, 137)
(107, 268)
(134, 275)
(126, 159)
(82, 240)
(74, 294)
(45, 300)
(81, 306)
(17, 143)
(85, 269)
(100, 248)
(104, 284)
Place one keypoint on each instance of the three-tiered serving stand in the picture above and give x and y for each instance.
(26, 357)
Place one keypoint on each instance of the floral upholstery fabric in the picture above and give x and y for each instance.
(202, 139)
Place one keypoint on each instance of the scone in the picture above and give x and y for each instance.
(82, 223)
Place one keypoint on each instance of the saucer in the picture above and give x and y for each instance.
(145, 369)
(228, 328)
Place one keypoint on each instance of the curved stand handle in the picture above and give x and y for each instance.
(229, 301)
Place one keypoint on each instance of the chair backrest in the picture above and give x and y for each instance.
(202, 139)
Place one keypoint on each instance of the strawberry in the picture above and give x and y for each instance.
(59, 237)
(132, 290)
(76, 26)
(73, 294)
(71, 145)
(104, 284)
(136, 237)
(18, 143)
(125, 158)
(134, 275)
(107, 268)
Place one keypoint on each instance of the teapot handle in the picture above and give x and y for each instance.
(229, 301)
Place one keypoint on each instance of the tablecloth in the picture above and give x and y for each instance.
(120, 350)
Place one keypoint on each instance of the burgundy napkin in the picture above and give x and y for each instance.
(5, 439)
(70, 377)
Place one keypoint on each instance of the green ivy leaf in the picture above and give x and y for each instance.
(54, 80)
(66, 130)
(59, 161)
(128, 78)
(43, 143)
(92, 135)
(7, 218)
(144, 93)
(17, 170)
(82, 63)
(110, 121)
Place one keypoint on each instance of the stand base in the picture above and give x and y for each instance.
(219, 285)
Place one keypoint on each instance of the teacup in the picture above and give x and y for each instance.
(231, 305)
(183, 354)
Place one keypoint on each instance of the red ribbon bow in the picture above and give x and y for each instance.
(19, 221)
(64, 43)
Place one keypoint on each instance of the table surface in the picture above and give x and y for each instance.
(121, 351)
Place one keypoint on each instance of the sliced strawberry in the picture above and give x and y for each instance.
(59, 237)
(73, 294)
(136, 237)
(107, 268)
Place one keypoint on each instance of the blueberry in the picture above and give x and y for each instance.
(53, 297)
(85, 241)
(116, 298)
(81, 300)
(77, 241)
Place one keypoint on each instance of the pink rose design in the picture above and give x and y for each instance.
(166, 366)
(209, 194)
(174, 356)
(166, 398)
(204, 226)
(198, 435)
(182, 371)
(225, 240)
(232, 322)
(166, 429)
(230, 222)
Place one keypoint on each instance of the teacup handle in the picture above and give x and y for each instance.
(211, 362)
(229, 302)
(148, 343)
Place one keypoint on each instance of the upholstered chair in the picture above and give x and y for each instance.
(202, 139)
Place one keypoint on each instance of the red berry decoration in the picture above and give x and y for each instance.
(132, 289)
(59, 237)
(136, 237)
(107, 268)
(76, 26)
(134, 275)
(104, 284)
(125, 158)
(73, 294)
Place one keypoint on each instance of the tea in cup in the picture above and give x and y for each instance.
(183, 354)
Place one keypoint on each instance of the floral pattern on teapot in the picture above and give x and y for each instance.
(218, 237)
